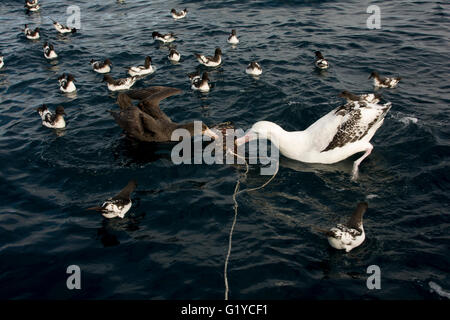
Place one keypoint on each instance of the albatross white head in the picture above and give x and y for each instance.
(263, 130)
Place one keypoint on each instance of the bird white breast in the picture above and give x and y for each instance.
(253, 71)
(233, 40)
(70, 87)
(209, 63)
(1, 63)
(51, 55)
(140, 71)
(344, 240)
(181, 15)
(322, 64)
(59, 124)
(36, 36)
(105, 69)
(175, 57)
(114, 210)
(61, 29)
(35, 8)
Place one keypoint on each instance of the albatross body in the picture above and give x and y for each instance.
(341, 133)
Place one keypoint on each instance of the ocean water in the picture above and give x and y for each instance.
(173, 242)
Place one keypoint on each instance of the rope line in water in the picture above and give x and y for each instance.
(236, 192)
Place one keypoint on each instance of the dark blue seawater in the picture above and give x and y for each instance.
(173, 242)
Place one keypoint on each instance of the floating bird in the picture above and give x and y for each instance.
(336, 136)
(210, 61)
(2, 63)
(101, 67)
(31, 34)
(146, 69)
(146, 121)
(62, 28)
(118, 205)
(164, 38)
(202, 84)
(254, 69)
(233, 39)
(380, 82)
(119, 84)
(49, 51)
(174, 55)
(50, 120)
(320, 62)
(350, 235)
(368, 97)
(66, 83)
(194, 76)
(178, 15)
(32, 5)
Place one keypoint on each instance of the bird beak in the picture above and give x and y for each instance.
(95, 209)
(247, 138)
(208, 132)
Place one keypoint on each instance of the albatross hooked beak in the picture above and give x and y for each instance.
(251, 135)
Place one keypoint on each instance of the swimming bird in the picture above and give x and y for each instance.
(254, 69)
(210, 61)
(101, 67)
(350, 235)
(146, 69)
(202, 84)
(32, 5)
(194, 76)
(31, 34)
(178, 15)
(2, 63)
(50, 120)
(174, 55)
(119, 84)
(118, 205)
(232, 38)
(339, 134)
(49, 51)
(320, 62)
(146, 121)
(380, 82)
(164, 38)
(67, 83)
(62, 28)
(368, 97)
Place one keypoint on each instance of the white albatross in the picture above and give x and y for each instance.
(339, 134)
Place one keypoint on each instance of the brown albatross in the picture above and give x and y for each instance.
(146, 121)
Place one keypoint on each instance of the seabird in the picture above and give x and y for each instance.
(49, 51)
(254, 69)
(31, 34)
(320, 62)
(339, 134)
(233, 39)
(32, 5)
(178, 15)
(210, 61)
(101, 67)
(66, 83)
(380, 82)
(146, 121)
(146, 69)
(118, 205)
(201, 84)
(50, 120)
(62, 28)
(165, 38)
(350, 235)
(174, 55)
(194, 76)
(2, 63)
(368, 97)
(119, 84)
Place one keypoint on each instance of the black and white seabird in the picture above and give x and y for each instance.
(210, 61)
(164, 38)
(178, 15)
(101, 66)
(146, 69)
(32, 5)
(67, 83)
(321, 62)
(2, 63)
(62, 28)
(146, 121)
(49, 51)
(368, 97)
(119, 84)
(254, 69)
(50, 120)
(350, 235)
(31, 34)
(232, 38)
(118, 205)
(380, 82)
(174, 55)
(201, 84)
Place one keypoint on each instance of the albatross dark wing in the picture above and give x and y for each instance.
(126, 192)
(355, 221)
